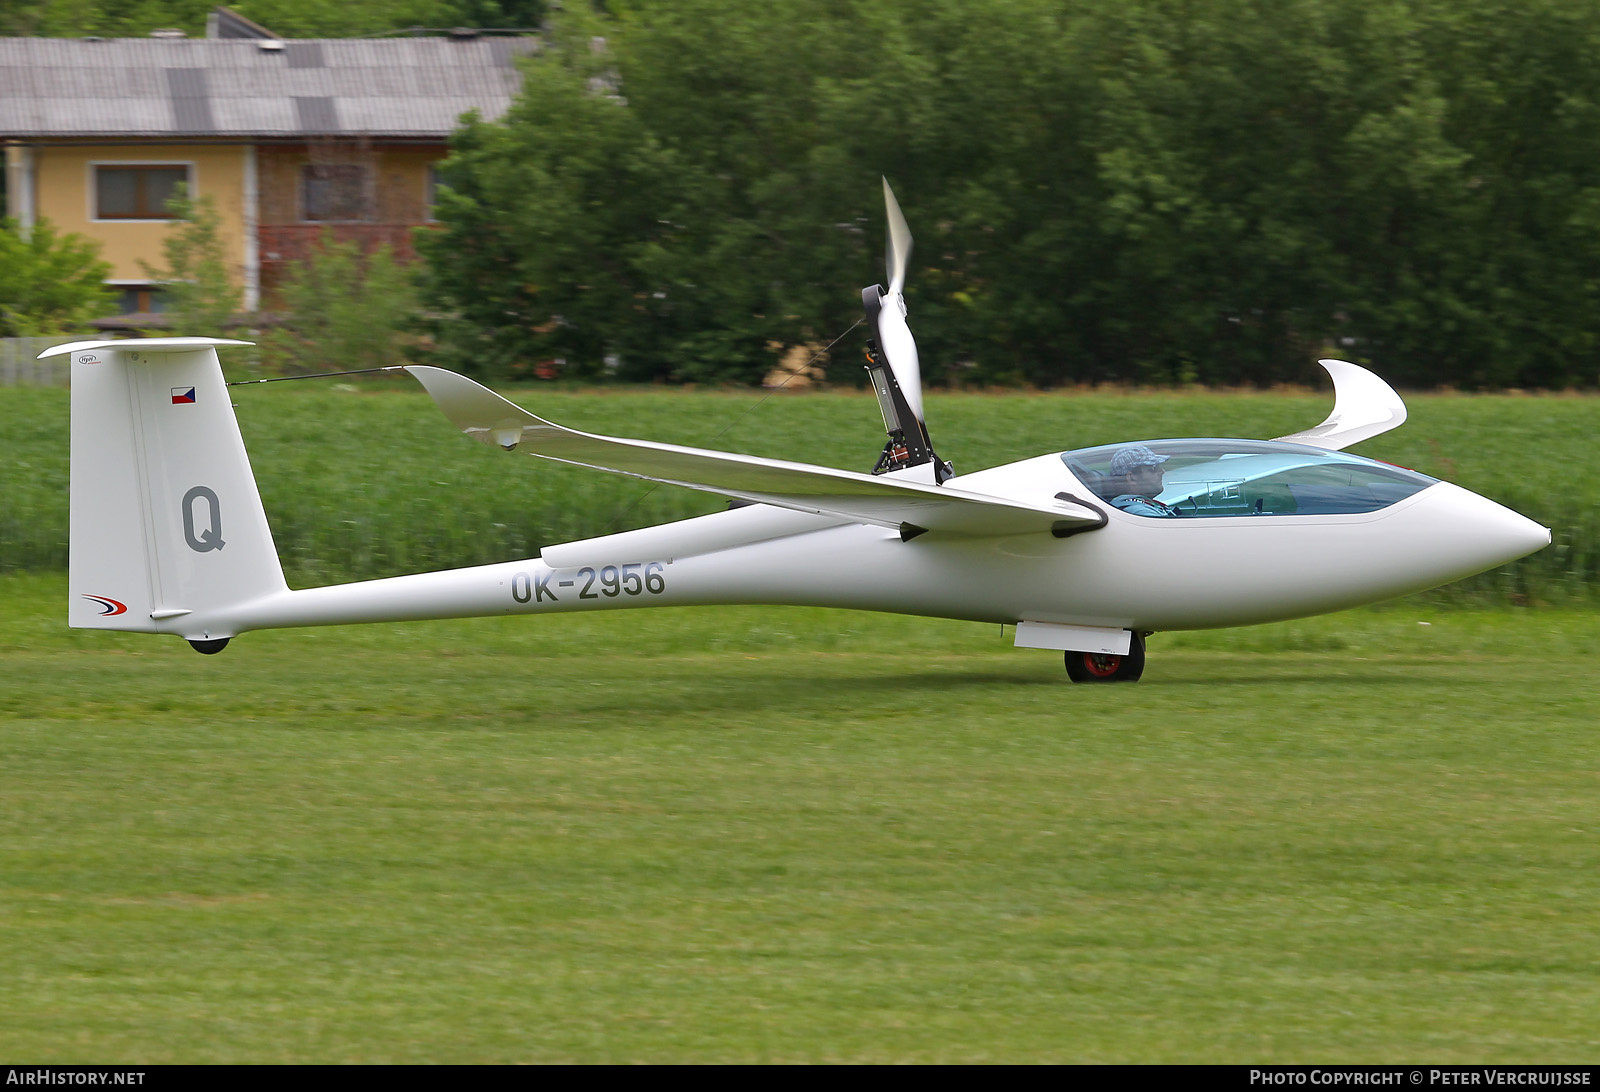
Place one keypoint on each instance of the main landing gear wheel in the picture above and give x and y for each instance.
(1108, 667)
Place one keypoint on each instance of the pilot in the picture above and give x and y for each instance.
(1136, 479)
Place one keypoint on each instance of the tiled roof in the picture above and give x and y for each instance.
(233, 87)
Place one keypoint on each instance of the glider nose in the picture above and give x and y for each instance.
(1485, 534)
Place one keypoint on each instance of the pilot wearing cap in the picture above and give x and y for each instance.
(1136, 480)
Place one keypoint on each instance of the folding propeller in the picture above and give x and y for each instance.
(894, 336)
(892, 357)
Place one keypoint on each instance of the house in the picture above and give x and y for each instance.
(291, 138)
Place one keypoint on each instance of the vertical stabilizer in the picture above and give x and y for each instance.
(166, 517)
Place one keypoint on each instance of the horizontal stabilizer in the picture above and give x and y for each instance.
(142, 345)
(803, 487)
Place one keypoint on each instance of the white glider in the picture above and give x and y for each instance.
(1085, 551)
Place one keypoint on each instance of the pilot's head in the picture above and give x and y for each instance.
(1137, 470)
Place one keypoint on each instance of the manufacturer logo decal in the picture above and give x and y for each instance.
(88, 358)
(210, 538)
(107, 606)
(183, 396)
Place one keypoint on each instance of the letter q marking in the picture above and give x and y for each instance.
(211, 537)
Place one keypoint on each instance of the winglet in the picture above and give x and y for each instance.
(1364, 406)
(475, 409)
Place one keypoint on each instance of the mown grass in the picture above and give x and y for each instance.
(799, 835)
(371, 480)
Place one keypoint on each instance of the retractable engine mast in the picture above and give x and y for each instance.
(908, 444)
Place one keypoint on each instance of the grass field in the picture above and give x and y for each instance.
(794, 835)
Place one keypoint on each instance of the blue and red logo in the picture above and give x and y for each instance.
(107, 606)
(183, 396)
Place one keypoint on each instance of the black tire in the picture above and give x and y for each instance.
(1099, 668)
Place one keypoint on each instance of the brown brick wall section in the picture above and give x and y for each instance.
(394, 203)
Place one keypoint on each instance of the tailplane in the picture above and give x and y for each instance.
(166, 518)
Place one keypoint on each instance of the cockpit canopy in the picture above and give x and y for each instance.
(1210, 478)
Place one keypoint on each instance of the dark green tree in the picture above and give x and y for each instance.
(544, 218)
(1135, 190)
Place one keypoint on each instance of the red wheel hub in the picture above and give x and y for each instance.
(1100, 665)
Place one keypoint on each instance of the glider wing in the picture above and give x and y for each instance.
(491, 419)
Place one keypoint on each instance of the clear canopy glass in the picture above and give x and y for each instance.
(1212, 478)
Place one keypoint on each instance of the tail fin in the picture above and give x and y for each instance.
(166, 518)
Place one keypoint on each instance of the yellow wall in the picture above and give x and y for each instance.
(64, 194)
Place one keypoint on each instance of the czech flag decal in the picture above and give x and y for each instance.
(183, 396)
(107, 606)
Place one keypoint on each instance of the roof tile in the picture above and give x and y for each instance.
(413, 87)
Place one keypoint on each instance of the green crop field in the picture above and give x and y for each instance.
(741, 834)
(373, 481)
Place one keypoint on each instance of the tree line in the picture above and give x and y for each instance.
(1163, 191)
(1152, 191)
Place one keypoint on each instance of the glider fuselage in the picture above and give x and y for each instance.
(1135, 573)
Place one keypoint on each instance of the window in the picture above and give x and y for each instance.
(137, 192)
(1210, 478)
(141, 299)
(334, 192)
(431, 200)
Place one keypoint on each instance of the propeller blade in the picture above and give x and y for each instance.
(899, 248)
(899, 348)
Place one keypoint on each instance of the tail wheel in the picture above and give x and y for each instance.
(1108, 667)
